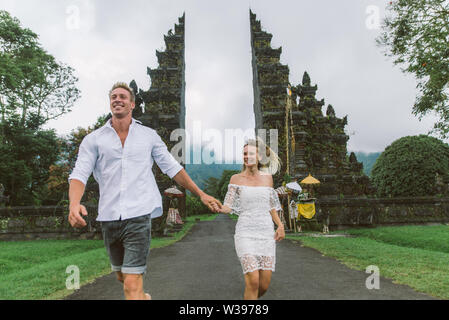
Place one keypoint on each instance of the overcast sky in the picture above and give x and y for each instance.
(334, 41)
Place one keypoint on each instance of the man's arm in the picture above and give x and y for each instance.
(174, 170)
(76, 191)
(183, 179)
(84, 166)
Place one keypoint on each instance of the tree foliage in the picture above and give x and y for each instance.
(412, 166)
(416, 34)
(222, 185)
(25, 158)
(34, 89)
(194, 206)
(216, 187)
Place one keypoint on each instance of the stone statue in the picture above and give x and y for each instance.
(352, 158)
(330, 111)
(139, 101)
(306, 79)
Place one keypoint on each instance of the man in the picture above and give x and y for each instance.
(121, 155)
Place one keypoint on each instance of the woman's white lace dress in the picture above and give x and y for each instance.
(254, 232)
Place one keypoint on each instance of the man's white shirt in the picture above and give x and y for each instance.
(128, 187)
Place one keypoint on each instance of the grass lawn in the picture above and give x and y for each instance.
(233, 216)
(37, 269)
(417, 256)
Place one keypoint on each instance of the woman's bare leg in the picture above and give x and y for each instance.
(251, 285)
(264, 281)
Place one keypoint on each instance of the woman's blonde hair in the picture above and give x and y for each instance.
(268, 161)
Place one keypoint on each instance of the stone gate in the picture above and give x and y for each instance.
(309, 142)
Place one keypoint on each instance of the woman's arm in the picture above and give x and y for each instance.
(280, 232)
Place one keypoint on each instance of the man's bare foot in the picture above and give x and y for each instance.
(147, 296)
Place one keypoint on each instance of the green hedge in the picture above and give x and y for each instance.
(412, 166)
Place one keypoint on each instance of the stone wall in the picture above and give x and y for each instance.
(31, 223)
(51, 222)
(368, 212)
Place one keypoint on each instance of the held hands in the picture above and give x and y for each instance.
(212, 203)
(219, 208)
(75, 218)
(224, 209)
(280, 233)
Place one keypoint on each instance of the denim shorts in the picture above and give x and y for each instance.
(128, 243)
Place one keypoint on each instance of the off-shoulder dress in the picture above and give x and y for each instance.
(254, 231)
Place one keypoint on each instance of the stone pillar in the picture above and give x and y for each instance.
(270, 82)
(164, 102)
(317, 144)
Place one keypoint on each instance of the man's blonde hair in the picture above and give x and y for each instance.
(125, 86)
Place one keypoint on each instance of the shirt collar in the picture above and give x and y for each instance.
(133, 121)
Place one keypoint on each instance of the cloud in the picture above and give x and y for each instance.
(117, 40)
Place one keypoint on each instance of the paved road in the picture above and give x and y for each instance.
(204, 266)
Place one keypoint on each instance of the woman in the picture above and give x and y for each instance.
(251, 196)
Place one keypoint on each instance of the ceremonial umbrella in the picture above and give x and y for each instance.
(310, 180)
(294, 186)
(282, 191)
(173, 192)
